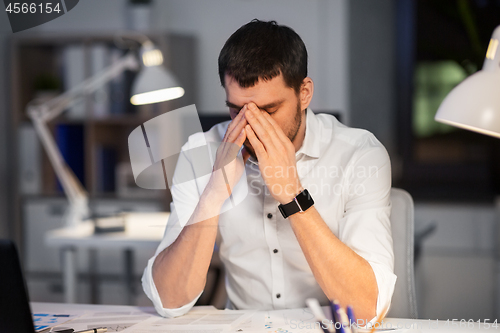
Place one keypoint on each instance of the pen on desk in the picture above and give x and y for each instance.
(92, 330)
(352, 320)
(340, 327)
(342, 318)
(95, 330)
(334, 316)
(313, 304)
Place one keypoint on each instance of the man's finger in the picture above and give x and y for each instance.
(238, 117)
(241, 138)
(228, 151)
(263, 129)
(237, 130)
(235, 126)
(258, 147)
(235, 122)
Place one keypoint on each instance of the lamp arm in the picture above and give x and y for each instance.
(41, 114)
(54, 107)
(70, 184)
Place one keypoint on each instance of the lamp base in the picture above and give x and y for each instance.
(109, 224)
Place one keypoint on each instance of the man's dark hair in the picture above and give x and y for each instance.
(264, 50)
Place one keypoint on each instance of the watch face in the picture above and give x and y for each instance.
(305, 200)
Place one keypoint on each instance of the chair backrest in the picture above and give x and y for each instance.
(404, 304)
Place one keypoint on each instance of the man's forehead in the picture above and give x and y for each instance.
(275, 103)
(277, 81)
(265, 93)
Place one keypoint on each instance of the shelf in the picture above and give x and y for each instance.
(121, 120)
(33, 55)
(105, 138)
(132, 120)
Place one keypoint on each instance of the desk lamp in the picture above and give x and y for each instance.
(153, 84)
(475, 103)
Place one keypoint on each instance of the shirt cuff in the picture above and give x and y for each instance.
(150, 290)
(386, 281)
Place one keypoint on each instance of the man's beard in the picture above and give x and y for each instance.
(292, 132)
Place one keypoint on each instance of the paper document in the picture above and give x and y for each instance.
(210, 321)
(251, 324)
(45, 320)
(113, 321)
(291, 321)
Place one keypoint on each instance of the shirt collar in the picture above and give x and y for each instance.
(311, 144)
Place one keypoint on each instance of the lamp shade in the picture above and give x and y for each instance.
(154, 83)
(475, 103)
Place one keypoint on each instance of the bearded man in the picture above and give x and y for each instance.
(315, 222)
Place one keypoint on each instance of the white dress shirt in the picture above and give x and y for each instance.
(348, 174)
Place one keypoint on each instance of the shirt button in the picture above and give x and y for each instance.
(278, 295)
(269, 216)
(275, 250)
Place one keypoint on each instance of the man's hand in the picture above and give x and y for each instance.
(276, 154)
(227, 169)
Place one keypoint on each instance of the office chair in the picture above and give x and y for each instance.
(404, 304)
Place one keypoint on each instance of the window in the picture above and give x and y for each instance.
(440, 43)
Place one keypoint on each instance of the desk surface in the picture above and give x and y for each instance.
(142, 230)
(58, 307)
(406, 325)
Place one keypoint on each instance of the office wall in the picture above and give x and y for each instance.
(372, 87)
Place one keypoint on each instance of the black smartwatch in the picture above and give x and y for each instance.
(302, 202)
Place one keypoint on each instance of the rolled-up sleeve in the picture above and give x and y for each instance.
(150, 289)
(171, 233)
(366, 226)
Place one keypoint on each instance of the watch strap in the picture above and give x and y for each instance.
(302, 202)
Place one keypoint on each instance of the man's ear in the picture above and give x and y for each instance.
(306, 93)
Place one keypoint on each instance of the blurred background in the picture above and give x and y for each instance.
(382, 65)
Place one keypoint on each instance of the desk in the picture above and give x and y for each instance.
(142, 231)
(61, 307)
(412, 325)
